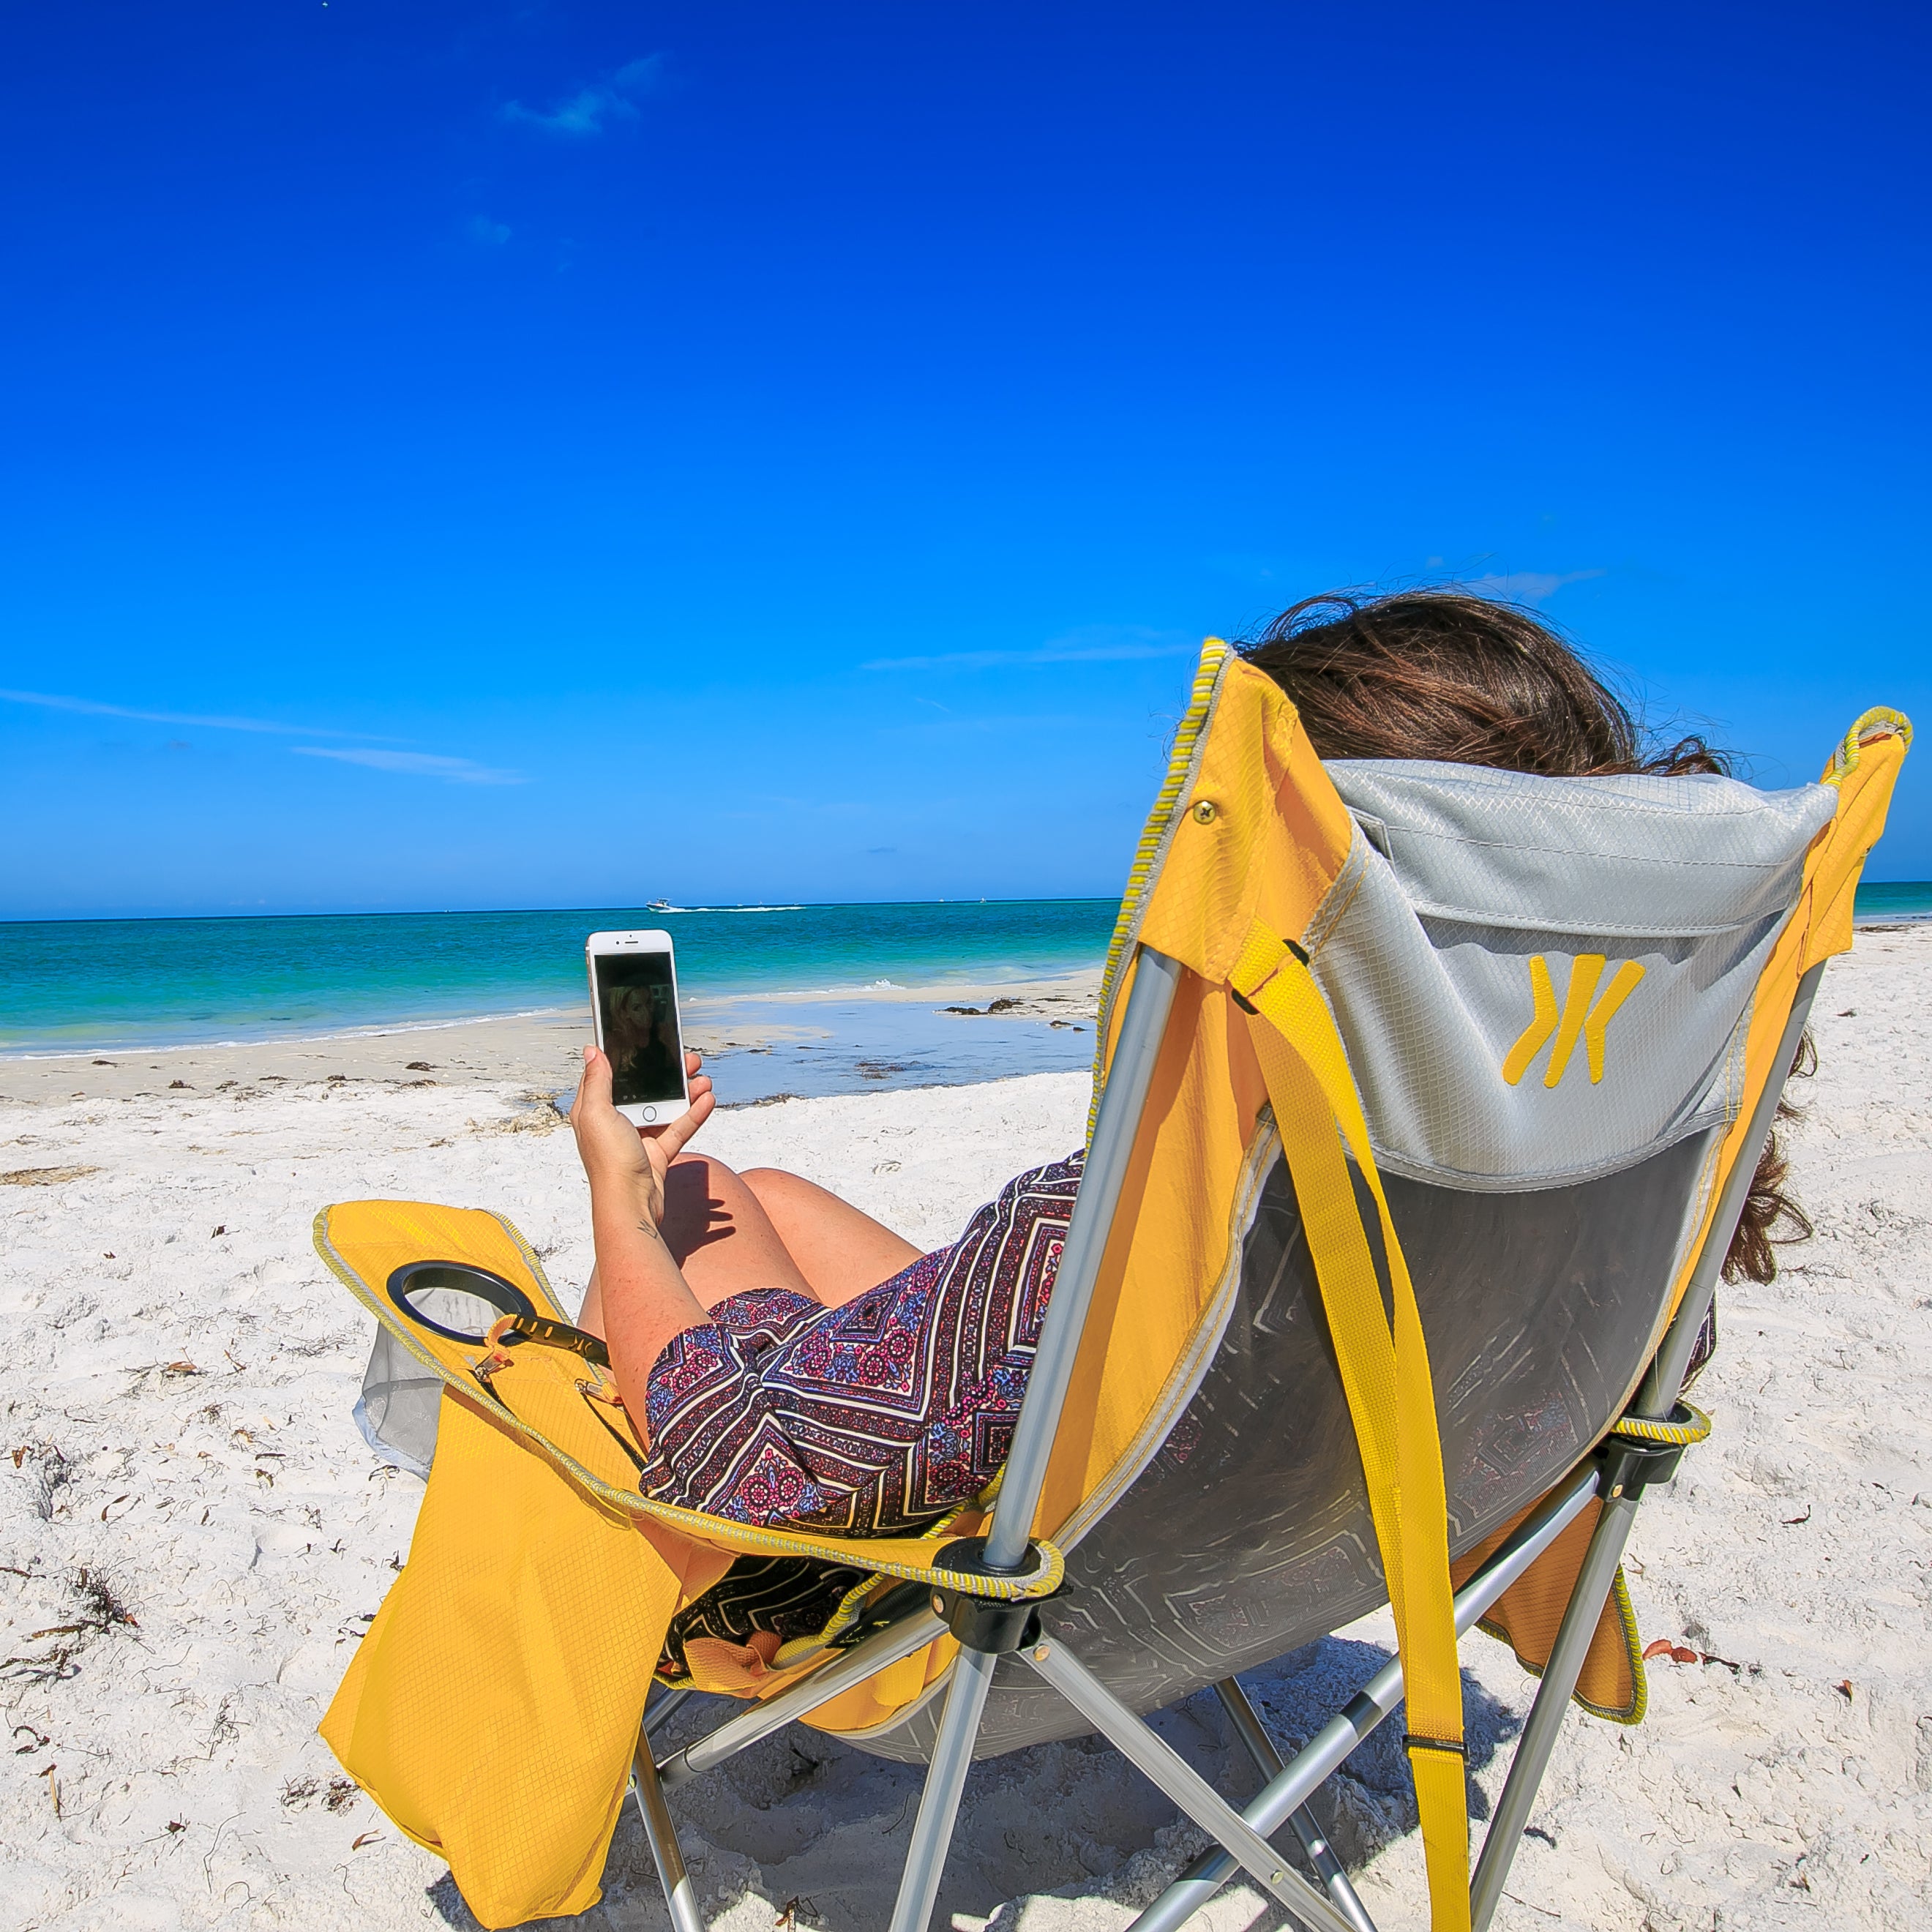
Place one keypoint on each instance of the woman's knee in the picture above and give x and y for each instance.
(702, 1199)
(775, 1183)
(797, 1207)
(720, 1234)
(703, 1165)
(701, 1177)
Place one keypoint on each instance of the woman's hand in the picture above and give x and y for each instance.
(621, 1160)
(638, 1300)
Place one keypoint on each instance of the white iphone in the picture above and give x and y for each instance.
(634, 1009)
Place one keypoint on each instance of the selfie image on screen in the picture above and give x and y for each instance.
(639, 1016)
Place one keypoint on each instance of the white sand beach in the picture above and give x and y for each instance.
(192, 1534)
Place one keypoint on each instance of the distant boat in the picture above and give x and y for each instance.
(657, 905)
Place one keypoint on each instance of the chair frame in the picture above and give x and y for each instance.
(1616, 1474)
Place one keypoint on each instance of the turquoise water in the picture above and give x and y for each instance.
(1910, 900)
(69, 985)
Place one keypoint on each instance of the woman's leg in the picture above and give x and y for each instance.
(840, 1251)
(768, 1436)
(721, 1237)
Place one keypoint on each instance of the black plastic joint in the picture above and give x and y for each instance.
(993, 1628)
(991, 1625)
(1630, 1467)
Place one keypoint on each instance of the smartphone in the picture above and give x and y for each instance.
(634, 1011)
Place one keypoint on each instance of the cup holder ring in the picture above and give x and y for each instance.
(444, 1286)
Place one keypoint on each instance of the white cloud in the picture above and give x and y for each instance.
(1091, 643)
(489, 234)
(1530, 587)
(88, 707)
(417, 764)
(421, 764)
(593, 108)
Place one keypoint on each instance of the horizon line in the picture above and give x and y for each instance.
(514, 912)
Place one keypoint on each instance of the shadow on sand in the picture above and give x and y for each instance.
(803, 1820)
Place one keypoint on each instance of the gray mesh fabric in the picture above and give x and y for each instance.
(400, 1406)
(1248, 1532)
(1472, 875)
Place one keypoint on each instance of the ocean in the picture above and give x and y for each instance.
(1878, 904)
(96, 985)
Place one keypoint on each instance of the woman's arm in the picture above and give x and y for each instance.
(642, 1300)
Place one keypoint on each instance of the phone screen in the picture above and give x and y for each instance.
(637, 1005)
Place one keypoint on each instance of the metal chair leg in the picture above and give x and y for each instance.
(1325, 1752)
(1253, 1733)
(853, 1667)
(1340, 1887)
(679, 1896)
(945, 1780)
(1153, 1756)
(663, 1708)
(1560, 1674)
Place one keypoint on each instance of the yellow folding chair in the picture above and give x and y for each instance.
(1427, 1101)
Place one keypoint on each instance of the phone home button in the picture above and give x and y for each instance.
(650, 1113)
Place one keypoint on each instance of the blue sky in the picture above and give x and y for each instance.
(501, 455)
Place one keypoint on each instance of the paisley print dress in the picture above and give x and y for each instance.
(877, 1418)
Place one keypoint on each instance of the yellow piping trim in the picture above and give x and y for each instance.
(1688, 1424)
(1880, 722)
(1214, 653)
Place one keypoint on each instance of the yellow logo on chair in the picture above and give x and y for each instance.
(1579, 1016)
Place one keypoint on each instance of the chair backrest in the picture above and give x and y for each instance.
(1556, 996)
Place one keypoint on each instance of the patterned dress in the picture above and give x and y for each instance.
(875, 1419)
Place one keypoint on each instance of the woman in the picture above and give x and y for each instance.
(794, 1361)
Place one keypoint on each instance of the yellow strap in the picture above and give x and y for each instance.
(1385, 1376)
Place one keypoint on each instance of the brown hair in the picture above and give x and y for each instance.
(1469, 680)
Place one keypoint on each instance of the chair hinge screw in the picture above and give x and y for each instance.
(1275, 1877)
(1042, 1652)
(1204, 811)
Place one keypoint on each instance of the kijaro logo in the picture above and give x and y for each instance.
(1579, 1016)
